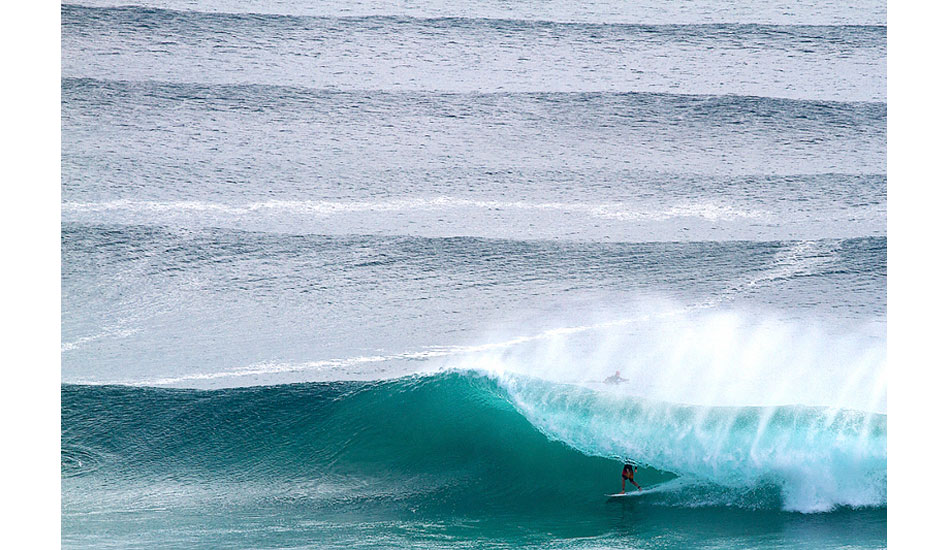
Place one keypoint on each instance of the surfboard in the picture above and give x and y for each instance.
(646, 490)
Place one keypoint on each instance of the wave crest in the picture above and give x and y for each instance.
(818, 457)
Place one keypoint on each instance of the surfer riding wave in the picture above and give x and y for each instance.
(628, 471)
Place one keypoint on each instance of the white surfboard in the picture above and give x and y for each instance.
(635, 493)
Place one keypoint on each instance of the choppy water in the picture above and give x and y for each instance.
(352, 273)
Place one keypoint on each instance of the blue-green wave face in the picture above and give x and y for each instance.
(797, 458)
(458, 447)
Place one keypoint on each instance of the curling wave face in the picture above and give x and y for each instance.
(817, 458)
(464, 442)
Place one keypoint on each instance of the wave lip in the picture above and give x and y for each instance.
(819, 458)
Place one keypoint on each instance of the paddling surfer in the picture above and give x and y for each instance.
(628, 471)
(615, 379)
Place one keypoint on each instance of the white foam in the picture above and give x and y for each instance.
(111, 332)
(620, 211)
(688, 353)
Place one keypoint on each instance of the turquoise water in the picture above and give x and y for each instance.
(353, 273)
(451, 459)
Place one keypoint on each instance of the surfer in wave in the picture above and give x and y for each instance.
(628, 471)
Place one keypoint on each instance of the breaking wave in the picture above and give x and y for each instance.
(469, 439)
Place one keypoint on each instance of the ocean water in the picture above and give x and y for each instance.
(353, 274)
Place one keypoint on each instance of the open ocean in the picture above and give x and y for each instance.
(352, 274)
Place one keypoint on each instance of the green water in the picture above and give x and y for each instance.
(441, 461)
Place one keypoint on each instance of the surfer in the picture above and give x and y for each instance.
(628, 471)
(615, 379)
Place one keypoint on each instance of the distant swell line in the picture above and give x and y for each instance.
(611, 211)
(439, 20)
(79, 82)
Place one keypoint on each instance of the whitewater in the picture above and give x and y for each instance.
(426, 275)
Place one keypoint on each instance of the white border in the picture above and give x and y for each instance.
(917, 280)
(30, 400)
